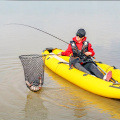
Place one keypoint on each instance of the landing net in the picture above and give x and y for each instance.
(33, 66)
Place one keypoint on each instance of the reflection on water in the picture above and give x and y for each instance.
(35, 108)
(81, 101)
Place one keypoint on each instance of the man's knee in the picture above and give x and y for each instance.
(77, 65)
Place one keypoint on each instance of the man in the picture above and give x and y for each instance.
(81, 52)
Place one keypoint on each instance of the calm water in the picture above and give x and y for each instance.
(58, 99)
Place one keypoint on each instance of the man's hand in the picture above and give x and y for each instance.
(88, 53)
(59, 54)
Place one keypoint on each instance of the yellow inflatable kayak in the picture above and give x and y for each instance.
(60, 65)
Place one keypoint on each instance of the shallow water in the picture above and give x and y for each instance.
(58, 99)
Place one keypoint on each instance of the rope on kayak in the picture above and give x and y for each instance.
(38, 30)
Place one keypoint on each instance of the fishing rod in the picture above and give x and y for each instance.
(38, 30)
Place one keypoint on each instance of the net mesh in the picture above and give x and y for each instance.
(33, 66)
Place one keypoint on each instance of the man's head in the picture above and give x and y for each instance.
(81, 33)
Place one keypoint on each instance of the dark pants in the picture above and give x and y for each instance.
(89, 67)
(92, 68)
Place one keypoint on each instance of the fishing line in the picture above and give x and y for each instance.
(38, 30)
